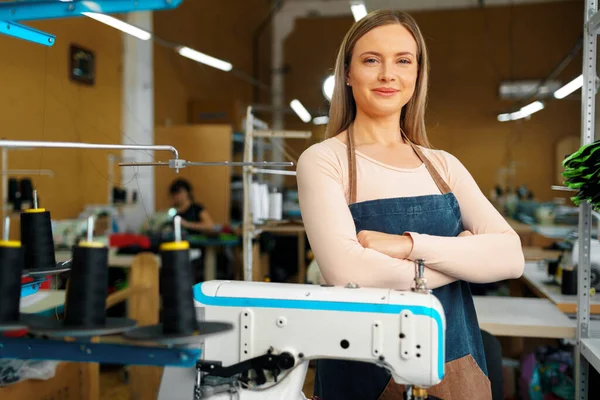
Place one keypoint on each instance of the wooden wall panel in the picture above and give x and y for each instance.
(211, 185)
(472, 51)
(223, 29)
(39, 102)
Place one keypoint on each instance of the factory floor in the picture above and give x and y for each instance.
(112, 386)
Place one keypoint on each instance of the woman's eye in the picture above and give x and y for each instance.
(370, 60)
(404, 61)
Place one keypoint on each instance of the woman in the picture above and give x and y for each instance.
(377, 176)
(194, 217)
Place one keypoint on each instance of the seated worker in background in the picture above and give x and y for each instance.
(194, 217)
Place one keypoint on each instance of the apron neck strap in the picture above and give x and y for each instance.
(351, 164)
(437, 178)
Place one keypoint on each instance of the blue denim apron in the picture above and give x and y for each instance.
(437, 215)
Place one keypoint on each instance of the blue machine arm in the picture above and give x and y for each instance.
(25, 10)
(26, 33)
(46, 349)
(49, 9)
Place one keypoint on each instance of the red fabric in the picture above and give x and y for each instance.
(128, 239)
(13, 334)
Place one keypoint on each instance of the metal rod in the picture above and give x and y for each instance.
(248, 229)
(209, 164)
(46, 172)
(177, 224)
(90, 229)
(283, 134)
(6, 228)
(144, 164)
(588, 110)
(272, 172)
(74, 145)
(35, 199)
(4, 180)
(241, 164)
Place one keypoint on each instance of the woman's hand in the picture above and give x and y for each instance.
(396, 246)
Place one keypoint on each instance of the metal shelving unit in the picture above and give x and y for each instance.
(588, 348)
(251, 132)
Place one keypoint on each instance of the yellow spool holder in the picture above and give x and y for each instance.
(10, 243)
(35, 210)
(96, 245)
(175, 246)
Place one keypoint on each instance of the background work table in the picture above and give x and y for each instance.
(537, 279)
(523, 317)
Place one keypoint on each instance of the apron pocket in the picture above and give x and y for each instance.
(463, 380)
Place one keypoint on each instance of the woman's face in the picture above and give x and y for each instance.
(180, 198)
(383, 70)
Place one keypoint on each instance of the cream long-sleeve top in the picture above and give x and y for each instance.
(492, 254)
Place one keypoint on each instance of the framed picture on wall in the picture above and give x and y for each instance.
(82, 65)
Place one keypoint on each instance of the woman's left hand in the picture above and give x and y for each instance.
(396, 246)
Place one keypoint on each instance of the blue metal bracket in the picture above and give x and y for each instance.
(25, 10)
(26, 33)
(48, 349)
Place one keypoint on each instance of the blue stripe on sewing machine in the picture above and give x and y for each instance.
(200, 297)
(27, 10)
(46, 349)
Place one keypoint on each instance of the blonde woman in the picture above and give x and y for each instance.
(374, 196)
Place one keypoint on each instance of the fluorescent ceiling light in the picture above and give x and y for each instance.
(300, 111)
(204, 58)
(532, 108)
(525, 111)
(358, 11)
(120, 25)
(320, 120)
(328, 86)
(569, 88)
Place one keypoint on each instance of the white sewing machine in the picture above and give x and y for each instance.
(279, 328)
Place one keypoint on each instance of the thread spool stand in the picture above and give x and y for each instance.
(85, 314)
(38, 243)
(178, 324)
(11, 267)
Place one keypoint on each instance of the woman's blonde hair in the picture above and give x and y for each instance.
(343, 107)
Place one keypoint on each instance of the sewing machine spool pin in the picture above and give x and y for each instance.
(420, 280)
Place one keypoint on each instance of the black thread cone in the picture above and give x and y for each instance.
(11, 268)
(37, 241)
(178, 314)
(13, 189)
(26, 190)
(88, 287)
